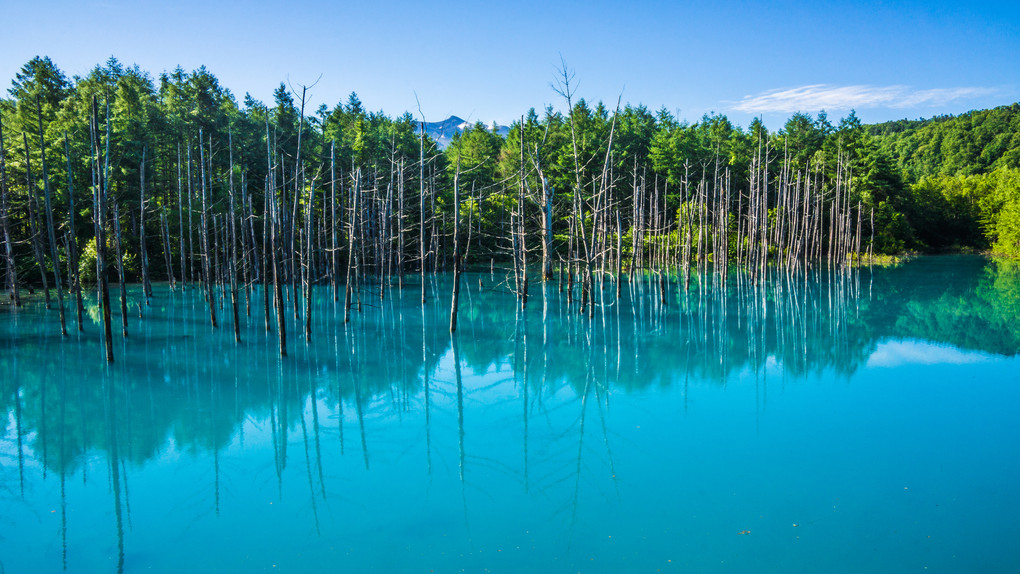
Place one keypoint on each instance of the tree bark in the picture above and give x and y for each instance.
(204, 234)
(5, 226)
(37, 248)
(120, 268)
(54, 256)
(231, 233)
(421, 212)
(456, 249)
(143, 251)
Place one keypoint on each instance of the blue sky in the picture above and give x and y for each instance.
(483, 61)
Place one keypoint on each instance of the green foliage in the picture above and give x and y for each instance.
(87, 263)
(802, 138)
(1000, 211)
(474, 152)
(890, 227)
(973, 143)
(937, 184)
(981, 211)
(1006, 229)
(946, 213)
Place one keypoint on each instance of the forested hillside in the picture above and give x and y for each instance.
(173, 173)
(963, 176)
(969, 144)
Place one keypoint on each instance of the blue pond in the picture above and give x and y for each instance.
(820, 422)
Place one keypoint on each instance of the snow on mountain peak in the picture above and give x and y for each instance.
(443, 132)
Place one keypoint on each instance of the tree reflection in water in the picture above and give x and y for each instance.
(525, 395)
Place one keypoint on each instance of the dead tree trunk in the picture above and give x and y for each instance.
(521, 226)
(352, 254)
(100, 181)
(180, 218)
(72, 250)
(334, 254)
(143, 251)
(232, 237)
(164, 233)
(298, 181)
(267, 227)
(37, 248)
(204, 235)
(421, 211)
(54, 257)
(248, 252)
(456, 249)
(120, 268)
(281, 315)
(308, 261)
(191, 225)
(547, 231)
(400, 224)
(5, 226)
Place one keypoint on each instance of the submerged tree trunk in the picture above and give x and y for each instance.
(421, 212)
(143, 251)
(281, 315)
(308, 262)
(334, 255)
(520, 224)
(456, 249)
(54, 257)
(352, 257)
(5, 227)
(164, 234)
(292, 227)
(37, 249)
(232, 238)
(180, 218)
(120, 268)
(400, 224)
(547, 231)
(204, 235)
(72, 248)
(101, 182)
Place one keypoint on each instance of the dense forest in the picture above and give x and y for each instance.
(174, 179)
(962, 176)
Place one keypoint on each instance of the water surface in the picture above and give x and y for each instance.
(814, 422)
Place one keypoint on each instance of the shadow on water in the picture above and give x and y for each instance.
(180, 386)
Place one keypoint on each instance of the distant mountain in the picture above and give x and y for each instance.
(443, 132)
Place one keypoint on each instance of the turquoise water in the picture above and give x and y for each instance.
(803, 424)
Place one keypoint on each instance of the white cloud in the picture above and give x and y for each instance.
(818, 97)
(895, 353)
